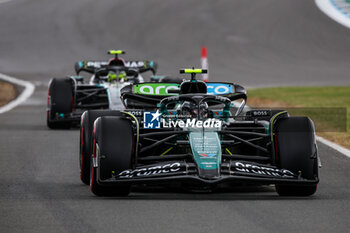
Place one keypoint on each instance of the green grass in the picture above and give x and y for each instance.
(306, 96)
(329, 107)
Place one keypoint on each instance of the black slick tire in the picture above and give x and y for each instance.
(296, 151)
(113, 149)
(59, 101)
(86, 131)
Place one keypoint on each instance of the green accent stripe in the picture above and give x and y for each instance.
(272, 121)
(137, 126)
(165, 152)
(228, 151)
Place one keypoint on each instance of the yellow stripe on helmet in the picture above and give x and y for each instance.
(116, 52)
(193, 71)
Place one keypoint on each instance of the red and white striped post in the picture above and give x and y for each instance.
(204, 61)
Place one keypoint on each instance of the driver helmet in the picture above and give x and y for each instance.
(121, 77)
(191, 109)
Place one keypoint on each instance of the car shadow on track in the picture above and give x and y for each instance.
(238, 193)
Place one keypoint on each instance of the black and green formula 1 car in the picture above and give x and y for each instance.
(70, 96)
(193, 137)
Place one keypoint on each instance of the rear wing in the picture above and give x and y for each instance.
(148, 95)
(164, 89)
(92, 66)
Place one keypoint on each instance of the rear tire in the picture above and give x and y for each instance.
(113, 139)
(296, 152)
(59, 101)
(86, 131)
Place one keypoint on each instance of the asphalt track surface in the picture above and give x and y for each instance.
(254, 43)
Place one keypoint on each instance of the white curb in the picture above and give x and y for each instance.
(333, 11)
(23, 96)
(334, 146)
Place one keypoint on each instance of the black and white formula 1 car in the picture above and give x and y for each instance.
(69, 97)
(196, 139)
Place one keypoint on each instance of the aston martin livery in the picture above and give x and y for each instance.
(196, 135)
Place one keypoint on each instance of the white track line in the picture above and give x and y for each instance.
(329, 8)
(25, 94)
(334, 146)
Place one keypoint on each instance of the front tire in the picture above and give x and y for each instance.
(113, 149)
(86, 131)
(297, 152)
